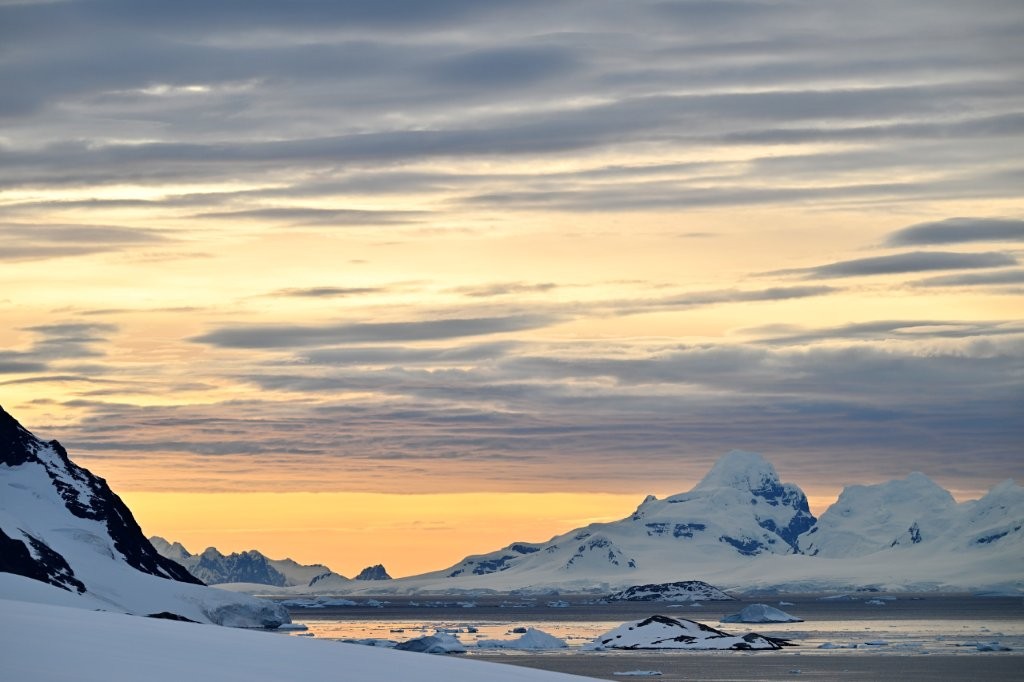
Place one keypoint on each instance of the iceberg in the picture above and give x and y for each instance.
(532, 639)
(761, 613)
(437, 643)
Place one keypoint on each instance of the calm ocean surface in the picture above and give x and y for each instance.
(868, 638)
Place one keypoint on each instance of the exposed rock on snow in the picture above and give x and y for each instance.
(662, 632)
(375, 572)
(532, 639)
(328, 582)
(48, 471)
(437, 643)
(686, 590)
(761, 613)
(63, 526)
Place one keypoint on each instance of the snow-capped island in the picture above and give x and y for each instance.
(662, 632)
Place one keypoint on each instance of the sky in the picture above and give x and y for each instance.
(426, 278)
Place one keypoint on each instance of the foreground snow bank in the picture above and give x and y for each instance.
(532, 639)
(43, 642)
(143, 595)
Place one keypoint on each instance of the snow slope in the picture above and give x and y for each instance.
(64, 527)
(109, 647)
(917, 512)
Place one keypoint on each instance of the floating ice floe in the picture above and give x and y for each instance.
(317, 603)
(662, 632)
(761, 613)
(373, 641)
(532, 639)
(438, 643)
(639, 673)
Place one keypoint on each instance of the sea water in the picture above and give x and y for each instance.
(866, 636)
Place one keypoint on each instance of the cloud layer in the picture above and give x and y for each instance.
(514, 245)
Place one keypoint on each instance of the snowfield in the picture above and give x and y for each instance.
(57, 644)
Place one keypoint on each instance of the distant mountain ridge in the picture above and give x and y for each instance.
(215, 568)
(252, 566)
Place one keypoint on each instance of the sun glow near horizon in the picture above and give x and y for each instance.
(407, 533)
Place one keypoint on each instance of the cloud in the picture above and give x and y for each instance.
(702, 298)
(296, 215)
(403, 355)
(959, 230)
(504, 289)
(505, 67)
(892, 329)
(328, 292)
(23, 241)
(290, 336)
(12, 363)
(903, 263)
(69, 340)
(995, 278)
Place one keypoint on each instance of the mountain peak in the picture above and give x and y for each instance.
(375, 572)
(741, 470)
(17, 444)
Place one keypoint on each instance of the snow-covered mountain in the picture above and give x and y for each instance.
(915, 511)
(213, 567)
(739, 510)
(63, 526)
(742, 528)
